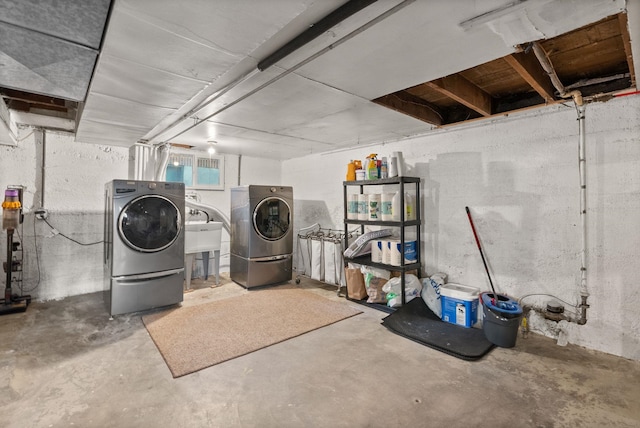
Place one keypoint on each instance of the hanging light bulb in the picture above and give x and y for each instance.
(212, 149)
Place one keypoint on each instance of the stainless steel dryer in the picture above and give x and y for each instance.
(143, 245)
(261, 235)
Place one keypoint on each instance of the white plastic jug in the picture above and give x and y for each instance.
(409, 207)
(396, 207)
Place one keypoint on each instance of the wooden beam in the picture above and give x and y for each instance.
(505, 114)
(626, 40)
(411, 105)
(463, 91)
(529, 68)
(41, 100)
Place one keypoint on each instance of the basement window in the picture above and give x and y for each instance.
(204, 172)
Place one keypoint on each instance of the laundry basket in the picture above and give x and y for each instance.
(319, 255)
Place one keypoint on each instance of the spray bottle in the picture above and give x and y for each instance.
(372, 166)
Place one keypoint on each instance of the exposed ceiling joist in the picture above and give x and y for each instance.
(626, 40)
(596, 59)
(529, 68)
(463, 91)
(413, 106)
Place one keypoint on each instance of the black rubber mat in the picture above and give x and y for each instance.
(417, 322)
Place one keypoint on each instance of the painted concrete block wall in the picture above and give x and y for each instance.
(71, 184)
(73, 192)
(519, 176)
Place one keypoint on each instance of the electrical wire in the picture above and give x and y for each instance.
(71, 239)
(35, 243)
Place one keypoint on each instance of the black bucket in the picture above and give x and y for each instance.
(501, 320)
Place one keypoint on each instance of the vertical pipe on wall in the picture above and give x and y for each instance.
(584, 292)
(40, 132)
(546, 64)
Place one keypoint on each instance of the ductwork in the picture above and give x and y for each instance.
(162, 152)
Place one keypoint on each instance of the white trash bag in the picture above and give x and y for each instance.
(393, 289)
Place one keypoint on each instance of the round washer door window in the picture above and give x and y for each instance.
(272, 218)
(150, 223)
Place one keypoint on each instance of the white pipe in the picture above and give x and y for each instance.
(583, 200)
(213, 213)
(545, 62)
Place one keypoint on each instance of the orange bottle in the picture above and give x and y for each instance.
(351, 171)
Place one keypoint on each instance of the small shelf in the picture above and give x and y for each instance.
(366, 260)
(381, 181)
(383, 222)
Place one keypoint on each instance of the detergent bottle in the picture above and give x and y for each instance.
(372, 167)
(351, 171)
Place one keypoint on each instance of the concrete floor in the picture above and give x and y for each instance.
(63, 363)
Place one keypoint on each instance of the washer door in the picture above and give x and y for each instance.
(149, 223)
(272, 218)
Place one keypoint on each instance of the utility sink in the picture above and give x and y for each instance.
(202, 236)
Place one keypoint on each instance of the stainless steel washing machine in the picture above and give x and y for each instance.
(143, 245)
(261, 235)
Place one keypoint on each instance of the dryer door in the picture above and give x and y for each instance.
(149, 223)
(272, 218)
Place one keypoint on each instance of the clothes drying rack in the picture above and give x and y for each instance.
(320, 255)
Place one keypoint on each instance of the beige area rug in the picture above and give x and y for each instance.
(193, 338)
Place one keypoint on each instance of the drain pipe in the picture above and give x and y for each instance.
(545, 62)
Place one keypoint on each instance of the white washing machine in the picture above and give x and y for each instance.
(143, 245)
(261, 235)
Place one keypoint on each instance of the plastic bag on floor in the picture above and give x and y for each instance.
(393, 290)
(431, 292)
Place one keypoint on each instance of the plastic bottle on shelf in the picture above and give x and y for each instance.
(396, 207)
(409, 207)
(384, 168)
(351, 171)
(372, 167)
(393, 167)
